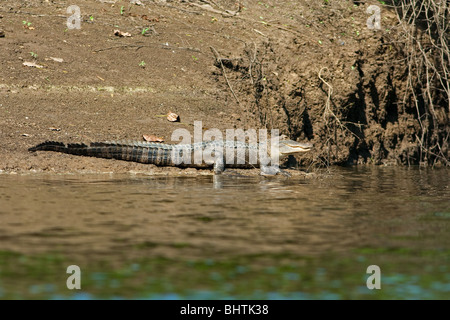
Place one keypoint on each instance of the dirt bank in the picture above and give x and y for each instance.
(312, 69)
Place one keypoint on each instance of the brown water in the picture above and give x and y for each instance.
(216, 237)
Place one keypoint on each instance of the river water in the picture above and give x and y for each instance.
(136, 236)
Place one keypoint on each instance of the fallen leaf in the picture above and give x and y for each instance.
(173, 117)
(60, 60)
(119, 33)
(152, 138)
(32, 64)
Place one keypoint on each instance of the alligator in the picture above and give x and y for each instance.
(243, 155)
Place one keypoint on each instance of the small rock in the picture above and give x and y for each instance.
(2, 34)
(32, 64)
(121, 34)
(60, 60)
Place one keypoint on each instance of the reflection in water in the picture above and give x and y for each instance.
(114, 219)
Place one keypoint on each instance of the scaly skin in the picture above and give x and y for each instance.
(180, 155)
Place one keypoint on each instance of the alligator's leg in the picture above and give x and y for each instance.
(219, 164)
(273, 170)
(285, 173)
(232, 173)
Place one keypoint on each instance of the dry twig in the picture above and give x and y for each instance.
(219, 60)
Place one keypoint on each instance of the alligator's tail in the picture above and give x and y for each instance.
(132, 151)
(72, 148)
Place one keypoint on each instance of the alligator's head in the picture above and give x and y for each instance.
(288, 147)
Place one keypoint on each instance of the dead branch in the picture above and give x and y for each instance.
(219, 60)
(139, 46)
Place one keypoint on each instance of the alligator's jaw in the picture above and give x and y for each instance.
(290, 147)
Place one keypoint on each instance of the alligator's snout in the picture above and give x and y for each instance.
(288, 147)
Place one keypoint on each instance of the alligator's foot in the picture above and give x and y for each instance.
(219, 165)
(285, 173)
(232, 173)
(273, 170)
